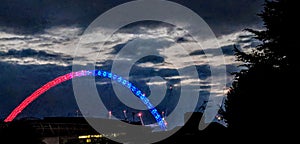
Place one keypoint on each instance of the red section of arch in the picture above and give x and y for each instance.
(38, 92)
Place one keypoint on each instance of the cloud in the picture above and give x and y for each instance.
(53, 46)
(34, 16)
(25, 53)
(226, 50)
(30, 60)
(40, 57)
(227, 16)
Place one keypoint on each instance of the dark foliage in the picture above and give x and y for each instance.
(260, 100)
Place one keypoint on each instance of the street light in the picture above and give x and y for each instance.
(140, 115)
(109, 114)
(125, 115)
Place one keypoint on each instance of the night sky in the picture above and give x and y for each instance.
(38, 39)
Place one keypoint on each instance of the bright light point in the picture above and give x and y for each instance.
(124, 111)
(119, 79)
(109, 75)
(138, 92)
(140, 114)
(104, 73)
(88, 140)
(219, 117)
(115, 77)
(124, 82)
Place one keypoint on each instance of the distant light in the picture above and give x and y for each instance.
(124, 111)
(88, 140)
(166, 123)
(133, 88)
(115, 77)
(104, 73)
(129, 85)
(119, 79)
(89, 136)
(84, 136)
(96, 136)
(140, 114)
(124, 82)
(109, 114)
(109, 75)
(138, 93)
(219, 117)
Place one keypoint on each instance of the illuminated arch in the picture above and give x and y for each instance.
(101, 73)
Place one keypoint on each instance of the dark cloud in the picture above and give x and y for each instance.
(136, 43)
(227, 16)
(35, 15)
(15, 38)
(41, 55)
(226, 50)
(118, 47)
(197, 52)
(182, 40)
(152, 59)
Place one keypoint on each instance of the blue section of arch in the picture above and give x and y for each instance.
(138, 93)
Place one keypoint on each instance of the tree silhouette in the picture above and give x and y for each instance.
(258, 102)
